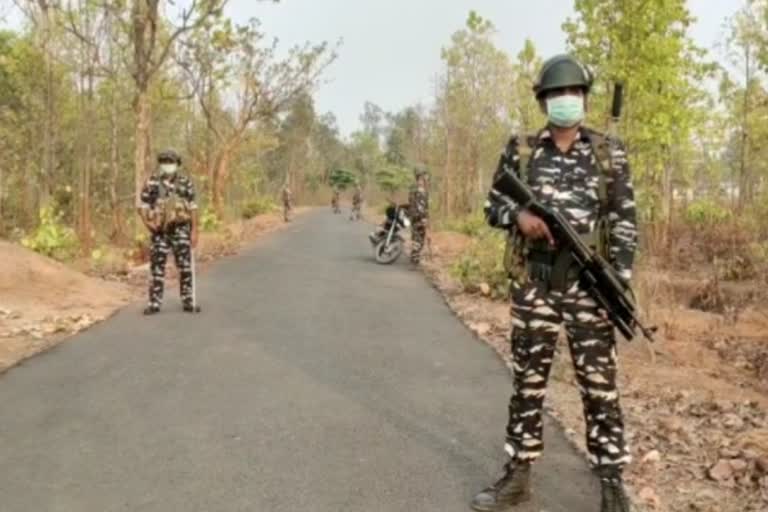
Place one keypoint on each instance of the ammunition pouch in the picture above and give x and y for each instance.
(527, 261)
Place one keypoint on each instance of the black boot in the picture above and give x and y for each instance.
(189, 308)
(614, 497)
(151, 310)
(512, 488)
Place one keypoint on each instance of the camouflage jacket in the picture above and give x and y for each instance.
(569, 183)
(418, 203)
(171, 199)
(357, 199)
(287, 198)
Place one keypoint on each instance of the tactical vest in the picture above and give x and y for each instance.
(172, 208)
(516, 253)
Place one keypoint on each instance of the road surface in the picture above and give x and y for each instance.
(314, 380)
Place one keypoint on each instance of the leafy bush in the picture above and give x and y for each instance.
(706, 212)
(392, 178)
(482, 264)
(258, 206)
(52, 238)
(209, 221)
(342, 179)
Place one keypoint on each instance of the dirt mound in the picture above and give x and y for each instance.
(43, 301)
(30, 281)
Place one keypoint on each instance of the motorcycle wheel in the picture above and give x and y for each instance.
(387, 255)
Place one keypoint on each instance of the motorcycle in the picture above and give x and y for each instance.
(386, 240)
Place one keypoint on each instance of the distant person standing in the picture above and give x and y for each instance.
(357, 203)
(287, 203)
(418, 211)
(169, 211)
(335, 201)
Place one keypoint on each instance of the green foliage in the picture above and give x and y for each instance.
(209, 221)
(705, 212)
(482, 263)
(342, 179)
(258, 206)
(471, 225)
(52, 238)
(391, 178)
(652, 52)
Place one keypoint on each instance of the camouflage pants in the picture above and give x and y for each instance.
(355, 214)
(418, 236)
(178, 241)
(287, 209)
(536, 318)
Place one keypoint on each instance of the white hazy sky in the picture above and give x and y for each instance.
(390, 52)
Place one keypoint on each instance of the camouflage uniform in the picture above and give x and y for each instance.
(418, 211)
(568, 183)
(335, 202)
(174, 234)
(357, 203)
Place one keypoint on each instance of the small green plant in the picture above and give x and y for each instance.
(51, 237)
(258, 206)
(209, 221)
(482, 264)
(706, 212)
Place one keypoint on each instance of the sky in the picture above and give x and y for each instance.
(390, 50)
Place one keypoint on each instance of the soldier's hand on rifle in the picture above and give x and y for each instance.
(534, 227)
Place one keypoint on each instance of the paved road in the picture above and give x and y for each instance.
(315, 380)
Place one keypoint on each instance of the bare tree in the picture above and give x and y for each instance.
(232, 59)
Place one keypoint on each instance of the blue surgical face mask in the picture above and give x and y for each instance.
(566, 110)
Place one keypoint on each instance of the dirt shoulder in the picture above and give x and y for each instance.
(696, 404)
(44, 302)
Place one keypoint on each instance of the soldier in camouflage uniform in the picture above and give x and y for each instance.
(357, 203)
(287, 203)
(566, 171)
(335, 201)
(168, 210)
(418, 211)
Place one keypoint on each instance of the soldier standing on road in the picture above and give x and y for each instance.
(335, 201)
(584, 176)
(418, 211)
(357, 203)
(168, 210)
(287, 203)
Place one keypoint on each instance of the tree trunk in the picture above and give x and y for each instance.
(143, 132)
(477, 176)
(743, 166)
(220, 177)
(49, 138)
(118, 222)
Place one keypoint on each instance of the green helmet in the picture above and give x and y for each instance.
(419, 171)
(562, 71)
(168, 155)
